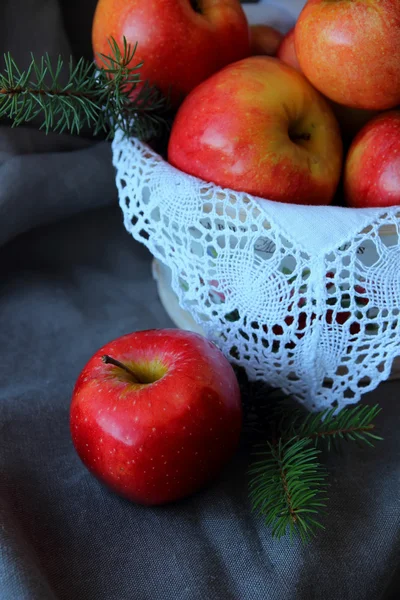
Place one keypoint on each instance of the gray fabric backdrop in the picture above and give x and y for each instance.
(71, 279)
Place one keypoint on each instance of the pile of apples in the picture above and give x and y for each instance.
(314, 124)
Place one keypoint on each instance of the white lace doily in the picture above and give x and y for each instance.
(305, 298)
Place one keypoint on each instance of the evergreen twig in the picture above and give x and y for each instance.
(288, 486)
(352, 424)
(287, 481)
(102, 99)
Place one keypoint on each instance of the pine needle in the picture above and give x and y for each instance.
(99, 99)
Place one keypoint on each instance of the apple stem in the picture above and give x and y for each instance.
(109, 360)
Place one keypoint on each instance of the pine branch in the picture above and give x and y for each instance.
(101, 99)
(353, 424)
(287, 481)
(288, 486)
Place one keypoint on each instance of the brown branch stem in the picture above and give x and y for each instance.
(42, 92)
(288, 497)
(338, 432)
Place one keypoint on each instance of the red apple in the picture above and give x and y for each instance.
(181, 42)
(287, 51)
(258, 126)
(345, 318)
(350, 50)
(372, 172)
(162, 424)
(264, 40)
(351, 120)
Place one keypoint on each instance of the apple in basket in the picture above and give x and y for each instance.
(155, 415)
(287, 51)
(351, 120)
(264, 40)
(260, 127)
(180, 42)
(372, 170)
(350, 50)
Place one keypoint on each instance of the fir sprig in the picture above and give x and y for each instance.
(100, 99)
(352, 424)
(287, 481)
(288, 486)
